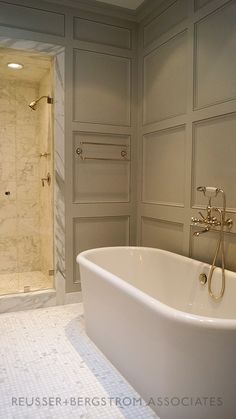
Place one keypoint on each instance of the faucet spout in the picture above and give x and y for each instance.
(197, 233)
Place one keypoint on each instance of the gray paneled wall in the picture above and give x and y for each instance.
(101, 88)
(100, 104)
(95, 232)
(163, 173)
(187, 122)
(186, 112)
(32, 19)
(107, 181)
(102, 33)
(165, 96)
(104, 123)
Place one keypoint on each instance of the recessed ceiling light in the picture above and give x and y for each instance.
(15, 66)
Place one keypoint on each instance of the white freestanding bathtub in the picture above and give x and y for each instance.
(147, 311)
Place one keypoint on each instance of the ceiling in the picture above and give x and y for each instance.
(129, 4)
(35, 65)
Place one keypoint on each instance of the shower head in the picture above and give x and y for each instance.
(33, 104)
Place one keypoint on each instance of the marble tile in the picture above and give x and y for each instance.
(35, 280)
(28, 134)
(28, 192)
(28, 251)
(46, 353)
(27, 169)
(28, 226)
(59, 115)
(7, 170)
(26, 149)
(8, 142)
(8, 208)
(13, 283)
(59, 135)
(60, 286)
(8, 227)
(9, 283)
(73, 297)
(25, 93)
(27, 301)
(18, 168)
(45, 140)
(32, 46)
(27, 209)
(8, 254)
(7, 186)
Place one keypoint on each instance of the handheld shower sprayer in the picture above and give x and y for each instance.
(208, 222)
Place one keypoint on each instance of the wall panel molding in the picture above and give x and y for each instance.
(102, 88)
(102, 33)
(163, 22)
(100, 181)
(164, 80)
(214, 78)
(33, 19)
(209, 121)
(163, 150)
(165, 235)
(214, 150)
(204, 249)
(93, 232)
(198, 4)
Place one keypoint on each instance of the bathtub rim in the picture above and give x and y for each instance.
(145, 299)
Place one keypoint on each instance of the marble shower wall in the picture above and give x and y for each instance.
(45, 135)
(19, 178)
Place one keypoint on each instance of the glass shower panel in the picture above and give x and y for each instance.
(26, 207)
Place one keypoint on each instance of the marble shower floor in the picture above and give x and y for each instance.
(15, 282)
(48, 362)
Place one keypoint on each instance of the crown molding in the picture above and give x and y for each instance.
(97, 7)
(147, 9)
(143, 12)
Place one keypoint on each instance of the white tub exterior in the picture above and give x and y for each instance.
(148, 313)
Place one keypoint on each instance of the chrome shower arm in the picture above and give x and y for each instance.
(33, 104)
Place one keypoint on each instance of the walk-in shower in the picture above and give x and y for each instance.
(26, 173)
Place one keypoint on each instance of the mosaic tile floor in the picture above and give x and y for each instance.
(15, 282)
(49, 369)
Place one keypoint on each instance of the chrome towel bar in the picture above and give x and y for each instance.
(106, 144)
(123, 153)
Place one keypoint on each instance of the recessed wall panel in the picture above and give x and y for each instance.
(214, 158)
(198, 4)
(95, 178)
(164, 166)
(96, 232)
(101, 88)
(165, 21)
(203, 248)
(165, 75)
(36, 20)
(101, 33)
(164, 235)
(215, 59)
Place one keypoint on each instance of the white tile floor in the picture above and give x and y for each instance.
(46, 357)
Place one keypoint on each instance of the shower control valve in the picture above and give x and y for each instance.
(46, 179)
